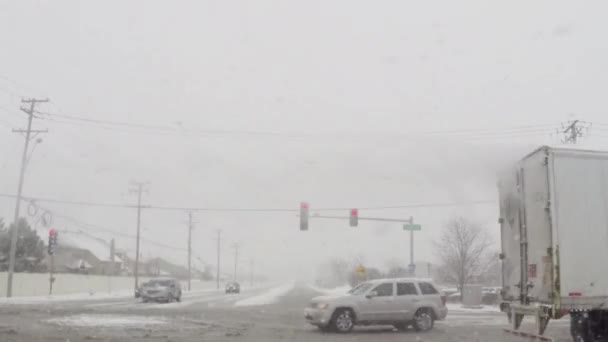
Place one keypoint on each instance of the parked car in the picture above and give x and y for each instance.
(233, 287)
(161, 289)
(399, 302)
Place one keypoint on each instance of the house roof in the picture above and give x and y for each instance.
(82, 240)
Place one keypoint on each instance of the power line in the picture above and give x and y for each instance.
(485, 131)
(172, 130)
(99, 228)
(253, 210)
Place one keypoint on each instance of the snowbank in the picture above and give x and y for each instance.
(268, 297)
(87, 320)
(482, 309)
(337, 290)
(64, 298)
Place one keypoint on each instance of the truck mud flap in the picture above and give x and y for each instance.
(528, 336)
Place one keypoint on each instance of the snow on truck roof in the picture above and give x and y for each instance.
(567, 148)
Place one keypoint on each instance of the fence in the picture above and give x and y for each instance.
(37, 284)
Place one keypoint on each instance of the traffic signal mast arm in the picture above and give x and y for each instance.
(409, 221)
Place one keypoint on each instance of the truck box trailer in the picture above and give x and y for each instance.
(554, 239)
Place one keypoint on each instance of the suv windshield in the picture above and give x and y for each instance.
(360, 289)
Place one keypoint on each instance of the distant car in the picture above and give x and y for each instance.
(398, 302)
(161, 289)
(233, 287)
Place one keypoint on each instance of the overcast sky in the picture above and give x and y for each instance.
(270, 103)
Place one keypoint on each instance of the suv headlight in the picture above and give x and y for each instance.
(322, 306)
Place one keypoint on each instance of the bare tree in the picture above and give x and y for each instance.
(464, 251)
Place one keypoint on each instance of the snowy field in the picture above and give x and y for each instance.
(269, 297)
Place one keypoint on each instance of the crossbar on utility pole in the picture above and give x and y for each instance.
(15, 232)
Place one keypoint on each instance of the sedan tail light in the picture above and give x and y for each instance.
(443, 299)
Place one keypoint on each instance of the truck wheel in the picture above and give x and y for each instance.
(423, 320)
(343, 321)
(579, 328)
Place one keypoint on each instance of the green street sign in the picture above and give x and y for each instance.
(413, 227)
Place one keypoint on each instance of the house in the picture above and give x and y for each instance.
(80, 252)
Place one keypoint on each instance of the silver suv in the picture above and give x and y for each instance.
(161, 289)
(397, 302)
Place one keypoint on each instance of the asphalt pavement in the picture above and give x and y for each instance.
(270, 313)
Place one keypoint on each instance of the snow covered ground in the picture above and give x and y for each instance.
(65, 297)
(91, 320)
(482, 309)
(268, 297)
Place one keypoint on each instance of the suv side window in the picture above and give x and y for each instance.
(427, 289)
(384, 290)
(405, 289)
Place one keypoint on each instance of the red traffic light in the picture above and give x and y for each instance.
(52, 232)
(304, 205)
(354, 217)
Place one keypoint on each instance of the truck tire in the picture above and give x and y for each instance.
(423, 320)
(343, 321)
(579, 328)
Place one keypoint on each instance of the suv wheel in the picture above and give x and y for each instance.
(423, 320)
(343, 321)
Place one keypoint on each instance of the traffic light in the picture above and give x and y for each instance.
(354, 217)
(52, 241)
(304, 216)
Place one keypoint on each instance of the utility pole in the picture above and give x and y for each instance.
(190, 227)
(138, 188)
(217, 275)
(15, 233)
(251, 262)
(236, 258)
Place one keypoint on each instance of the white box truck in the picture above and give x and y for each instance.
(554, 240)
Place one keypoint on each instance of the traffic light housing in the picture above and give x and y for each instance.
(304, 214)
(354, 217)
(52, 241)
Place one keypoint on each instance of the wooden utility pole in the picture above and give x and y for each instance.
(236, 258)
(15, 233)
(190, 227)
(217, 270)
(138, 188)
